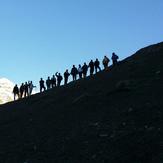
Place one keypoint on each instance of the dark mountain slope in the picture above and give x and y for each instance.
(115, 116)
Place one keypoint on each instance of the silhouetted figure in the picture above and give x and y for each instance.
(97, 65)
(91, 66)
(48, 83)
(105, 62)
(59, 78)
(85, 69)
(21, 90)
(74, 72)
(16, 92)
(53, 81)
(66, 75)
(30, 87)
(80, 71)
(26, 91)
(42, 86)
(114, 58)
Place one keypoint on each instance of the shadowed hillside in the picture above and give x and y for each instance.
(116, 116)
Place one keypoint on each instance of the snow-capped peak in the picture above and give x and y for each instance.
(6, 88)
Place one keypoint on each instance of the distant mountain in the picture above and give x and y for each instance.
(114, 116)
(6, 88)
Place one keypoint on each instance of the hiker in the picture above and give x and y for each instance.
(85, 69)
(48, 83)
(74, 72)
(16, 92)
(97, 65)
(66, 75)
(21, 90)
(59, 78)
(53, 81)
(105, 62)
(42, 86)
(80, 71)
(26, 91)
(31, 86)
(91, 66)
(114, 59)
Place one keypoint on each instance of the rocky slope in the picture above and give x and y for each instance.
(115, 116)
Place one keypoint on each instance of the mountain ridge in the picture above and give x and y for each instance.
(114, 116)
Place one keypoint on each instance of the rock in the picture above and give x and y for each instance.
(94, 156)
(130, 109)
(125, 85)
(112, 136)
(158, 72)
(124, 123)
(150, 128)
(26, 161)
(80, 98)
(103, 135)
(96, 124)
(34, 147)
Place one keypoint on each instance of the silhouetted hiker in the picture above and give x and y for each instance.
(42, 86)
(97, 65)
(48, 83)
(31, 86)
(16, 92)
(59, 78)
(21, 90)
(53, 81)
(85, 69)
(66, 75)
(74, 72)
(114, 58)
(80, 71)
(26, 91)
(105, 62)
(91, 66)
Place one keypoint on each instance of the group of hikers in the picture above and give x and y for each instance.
(25, 90)
(94, 66)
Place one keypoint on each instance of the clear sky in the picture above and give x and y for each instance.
(40, 37)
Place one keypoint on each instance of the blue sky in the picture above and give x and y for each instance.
(40, 37)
